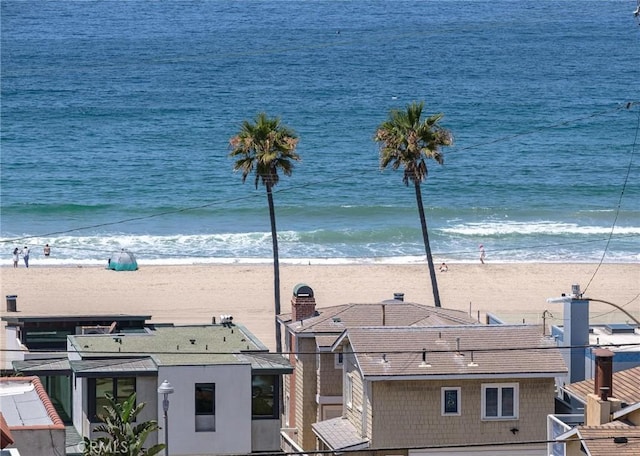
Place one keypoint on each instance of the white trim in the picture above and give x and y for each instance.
(500, 387)
(328, 400)
(486, 376)
(443, 391)
(348, 390)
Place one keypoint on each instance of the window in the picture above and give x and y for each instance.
(264, 396)
(205, 406)
(500, 401)
(339, 360)
(348, 390)
(120, 387)
(450, 399)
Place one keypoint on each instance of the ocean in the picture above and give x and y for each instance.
(116, 118)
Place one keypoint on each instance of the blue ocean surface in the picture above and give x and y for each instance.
(116, 118)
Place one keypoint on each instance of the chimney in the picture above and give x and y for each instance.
(603, 385)
(600, 403)
(303, 304)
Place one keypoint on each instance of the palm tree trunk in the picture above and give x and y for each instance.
(427, 246)
(276, 266)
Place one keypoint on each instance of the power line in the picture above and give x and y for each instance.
(290, 353)
(626, 105)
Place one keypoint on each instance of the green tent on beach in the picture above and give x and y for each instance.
(123, 261)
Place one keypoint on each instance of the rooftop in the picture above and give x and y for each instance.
(25, 404)
(474, 351)
(173, 345)
(334, 320)
(625, 386)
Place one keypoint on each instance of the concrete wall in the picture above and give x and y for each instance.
(233, 425)
(408, 413)
(39, 442)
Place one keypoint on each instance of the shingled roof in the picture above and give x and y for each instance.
(625, 387)
(473, 351)
(610, 439)
(334, 320)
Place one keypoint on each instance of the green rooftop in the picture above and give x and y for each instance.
(174, 345)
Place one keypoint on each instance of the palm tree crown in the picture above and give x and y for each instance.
(266, 147)
(406, 141)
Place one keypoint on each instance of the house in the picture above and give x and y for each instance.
(314, 391)
(37, 345)
(611, 404)
(444, 390)
(226, 385)
(33, 427)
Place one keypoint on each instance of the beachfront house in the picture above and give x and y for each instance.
(314, 391)
(610, 419)
(448, 390)
(29, 422)
(226, 385)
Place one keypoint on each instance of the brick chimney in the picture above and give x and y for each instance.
(303, 304)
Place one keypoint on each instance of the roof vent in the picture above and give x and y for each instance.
(398, 296)
(337, 320)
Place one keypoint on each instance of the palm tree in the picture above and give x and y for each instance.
(406, 141)
(266, 147)
(124, 437)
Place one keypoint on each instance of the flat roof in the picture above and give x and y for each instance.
(182, 345)
(16, 319)
(25, 404)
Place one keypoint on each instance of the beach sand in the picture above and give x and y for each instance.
(515, 292)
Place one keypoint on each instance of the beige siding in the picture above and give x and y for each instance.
(408, 413)
(305, 388)
(330, 378)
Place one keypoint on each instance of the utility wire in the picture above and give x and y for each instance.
(626, 105)
(624, 186)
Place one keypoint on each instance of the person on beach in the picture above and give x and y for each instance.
(25, 256)
(16, 257)
(444, 267)
(47, 250)
(482, 254)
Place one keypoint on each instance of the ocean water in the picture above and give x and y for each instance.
(116, 118)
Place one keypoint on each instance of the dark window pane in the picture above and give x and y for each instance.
(491, 401)
(264, 395)
(451, 401)
(205, 398)
(507, 402)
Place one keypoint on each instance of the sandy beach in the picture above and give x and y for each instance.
(194, 294)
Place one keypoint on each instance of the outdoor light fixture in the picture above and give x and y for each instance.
(165, 389)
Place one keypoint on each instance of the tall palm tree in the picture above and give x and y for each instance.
(124, 437)
(266, 147)
(406, 141)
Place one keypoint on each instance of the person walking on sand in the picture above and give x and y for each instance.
(482, 254)
(16, 257)
(25, 256)
(46, 250)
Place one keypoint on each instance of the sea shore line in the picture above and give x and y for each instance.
(516, 292)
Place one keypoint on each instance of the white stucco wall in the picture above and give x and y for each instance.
(233, 409)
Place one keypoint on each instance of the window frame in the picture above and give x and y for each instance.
(204, 421)
(338, 361)
(499, 406)
(443, 395)
(92, 399)
(275, 406)
(348, 390)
